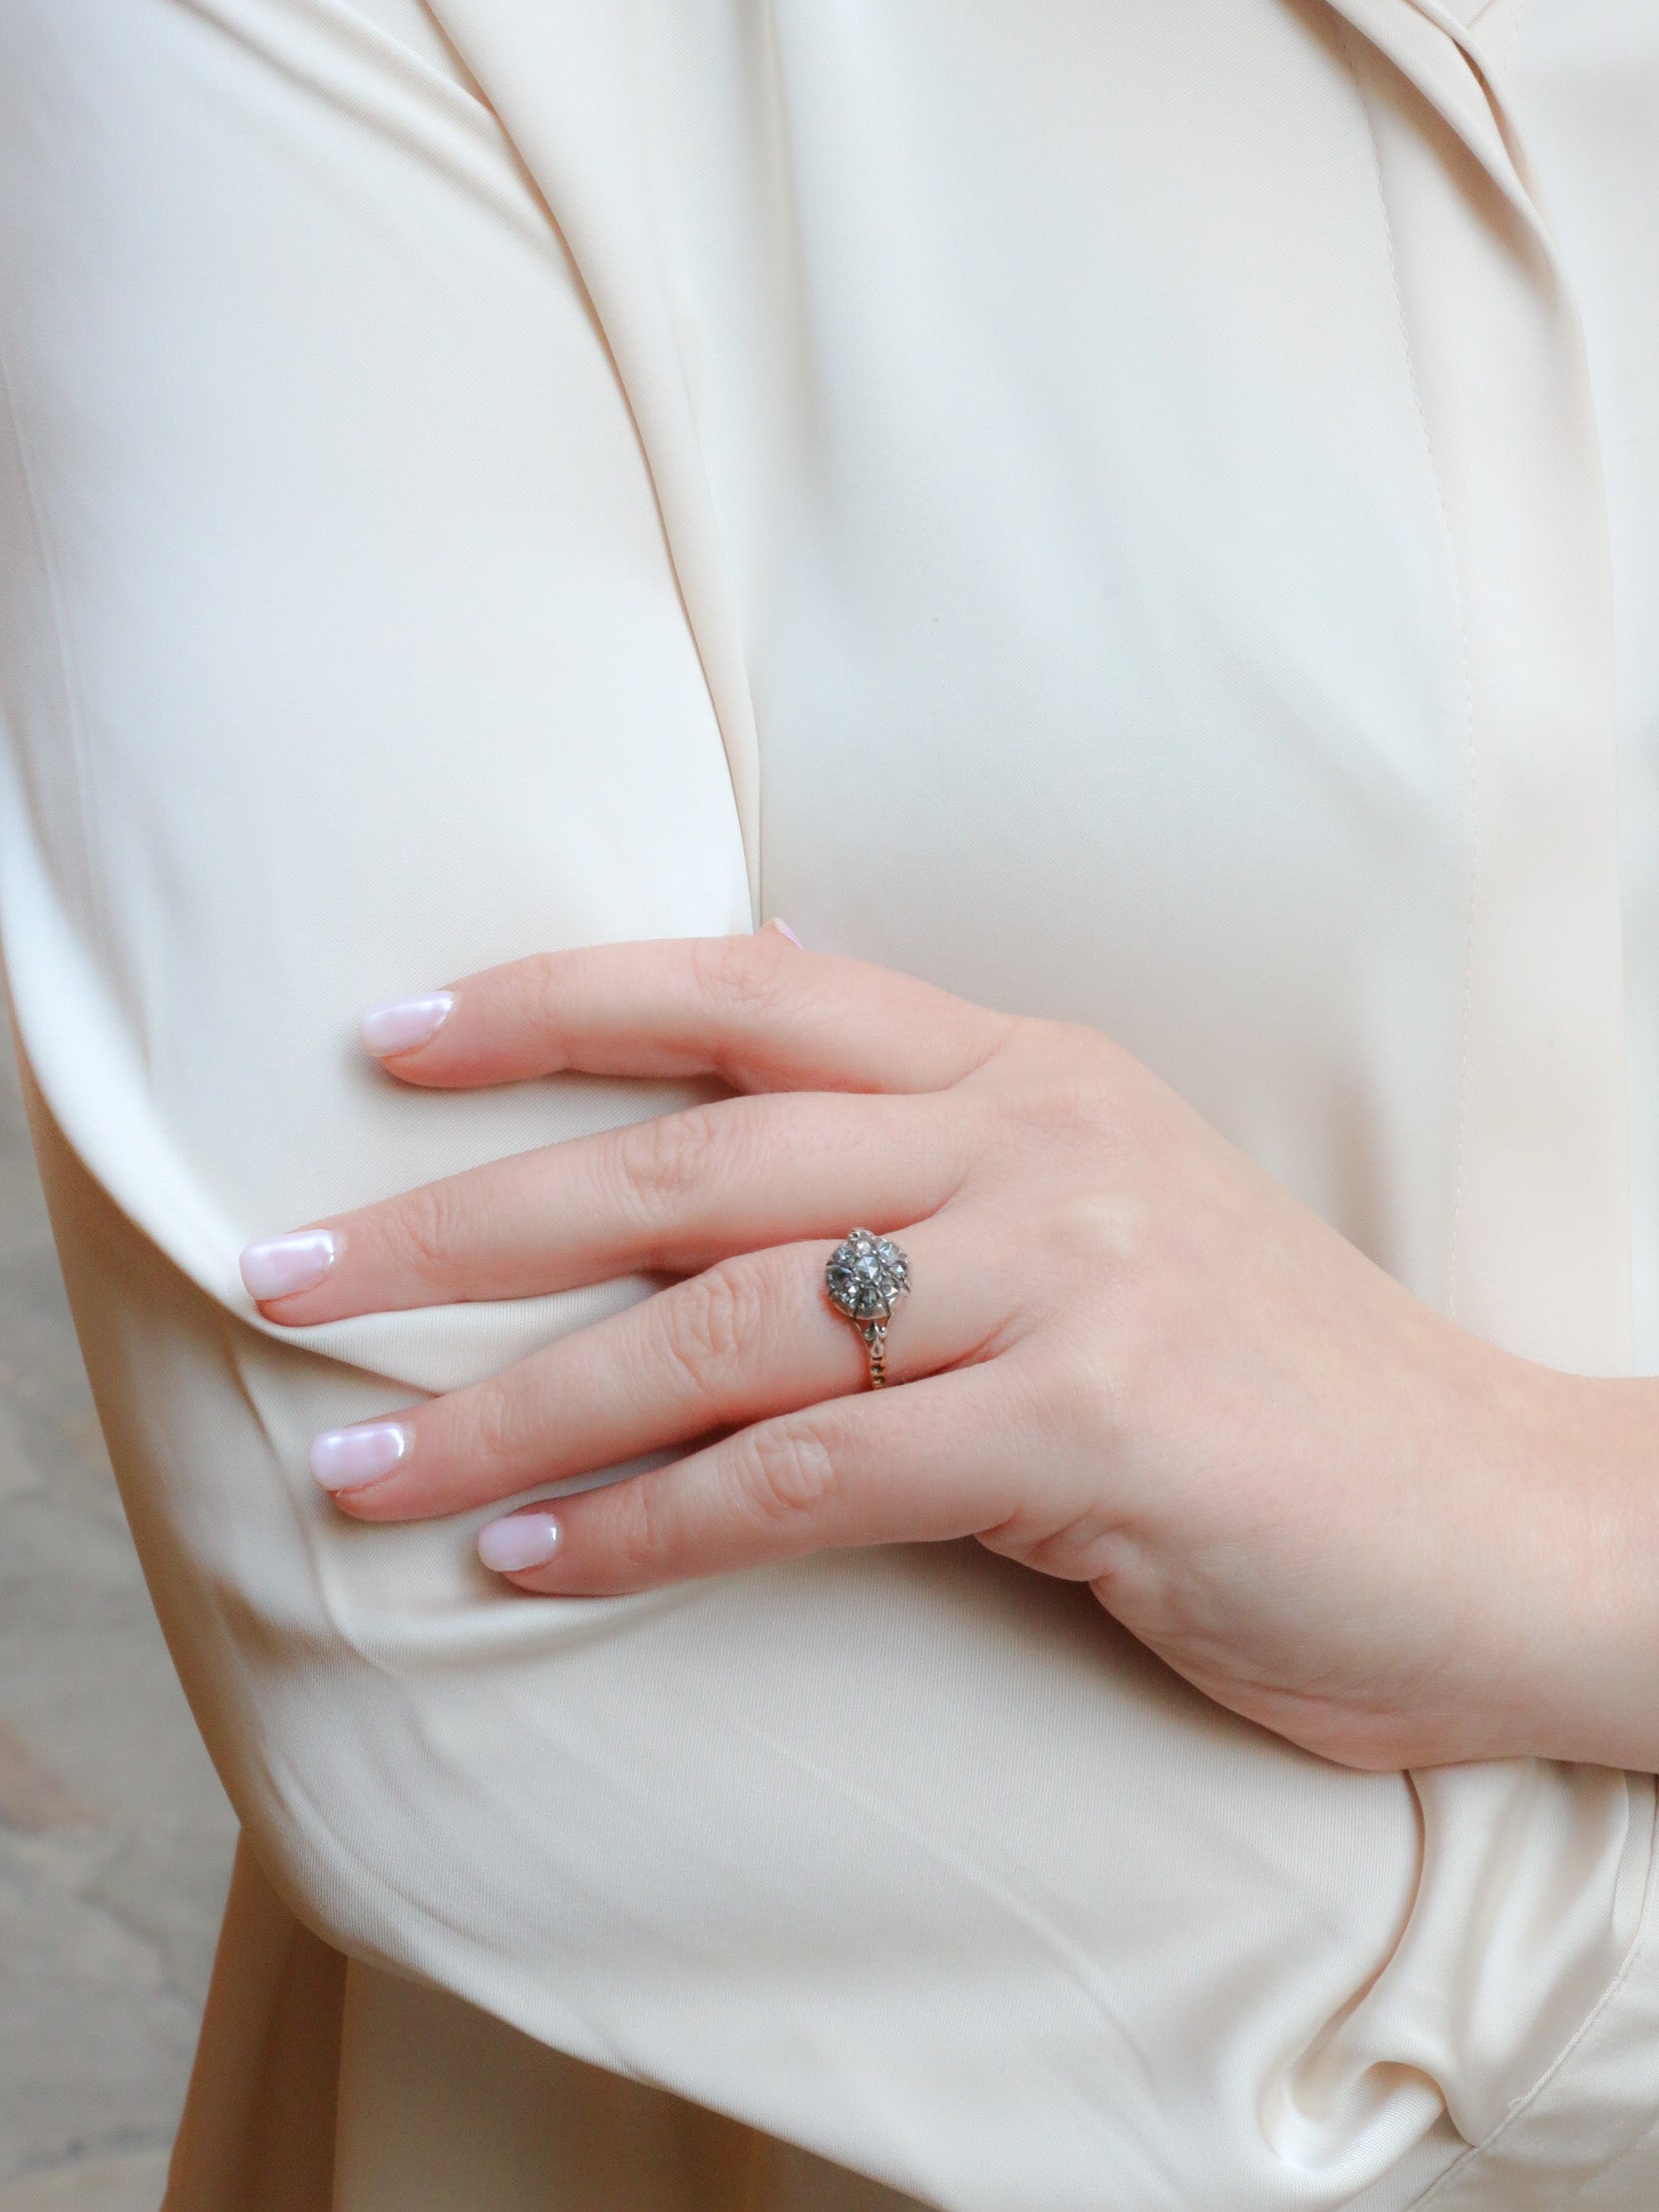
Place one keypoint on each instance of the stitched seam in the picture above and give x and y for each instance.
(1472, 786)
(1511, 45)
(1501, 50)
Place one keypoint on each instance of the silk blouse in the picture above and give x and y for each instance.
(1139, 514)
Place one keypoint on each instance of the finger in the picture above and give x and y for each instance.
(915, 1465)
(668, 1194)
(749, 1338)
(757, 1011)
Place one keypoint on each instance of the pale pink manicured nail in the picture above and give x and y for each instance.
(406, 1023)
(783, 930)
(345, 1458)
(280, 1265)
(521, 1541)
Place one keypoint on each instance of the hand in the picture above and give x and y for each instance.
(1131, 1359)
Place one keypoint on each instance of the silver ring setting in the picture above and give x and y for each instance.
(866, 1277)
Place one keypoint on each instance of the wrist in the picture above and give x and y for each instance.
(1574, 1498)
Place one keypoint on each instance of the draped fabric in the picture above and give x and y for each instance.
(1103, 507)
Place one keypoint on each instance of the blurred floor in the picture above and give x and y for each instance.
(114, 1837)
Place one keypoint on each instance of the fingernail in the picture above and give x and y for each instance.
(280, 1265)
(406, 1023)
(345, 1458)
(521, 1541)
(783, 930)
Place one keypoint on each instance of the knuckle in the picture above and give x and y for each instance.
(496, 1431)
(710, 1326)
(535, 1000)
(1097, 1230)
(1078, 1098)
(1075, 1392)
(636, 1545)
(1065, 1054)
(791, 1472)
(429, 1226)
(1074, 1102)
(737, 978)
(666, 1157)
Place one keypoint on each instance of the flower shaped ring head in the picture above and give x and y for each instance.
(865, 1278)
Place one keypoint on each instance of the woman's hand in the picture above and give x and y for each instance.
(1129, 1358)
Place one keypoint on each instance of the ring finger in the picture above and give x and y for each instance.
(750, 1337)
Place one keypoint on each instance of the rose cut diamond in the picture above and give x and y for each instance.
(866, 1277)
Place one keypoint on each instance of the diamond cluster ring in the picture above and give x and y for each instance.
(866, 1277)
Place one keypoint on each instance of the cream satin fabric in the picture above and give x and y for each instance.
(1096, 506)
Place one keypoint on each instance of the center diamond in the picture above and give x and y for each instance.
(866, 1277)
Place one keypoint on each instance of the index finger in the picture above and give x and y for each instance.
(755, 1012)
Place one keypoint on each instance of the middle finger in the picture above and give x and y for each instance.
(667, 1194)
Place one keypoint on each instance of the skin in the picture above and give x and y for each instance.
(1131, 1358)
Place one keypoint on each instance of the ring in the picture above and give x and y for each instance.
(866, 1277)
